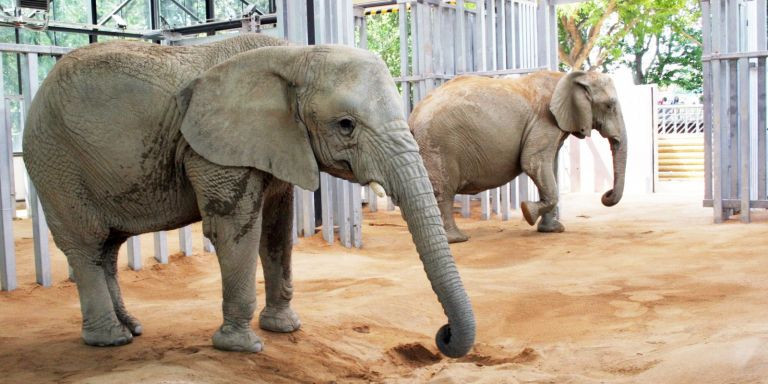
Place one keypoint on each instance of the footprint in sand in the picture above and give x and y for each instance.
(628, 308)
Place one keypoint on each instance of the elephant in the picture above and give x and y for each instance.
(125, 138)
(476, 133)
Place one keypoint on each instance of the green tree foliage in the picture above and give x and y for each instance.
(659, 40)
(383, 35)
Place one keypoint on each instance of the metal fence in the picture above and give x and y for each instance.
(680, 120)
(485, 37)
(496, 37)
(734, 69)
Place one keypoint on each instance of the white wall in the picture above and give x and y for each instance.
(587, 165)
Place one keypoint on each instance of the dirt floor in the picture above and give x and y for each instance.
(648, 291)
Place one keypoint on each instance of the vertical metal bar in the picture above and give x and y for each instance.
(416, 51)
(208, 245)
(496, 201)
(485, 204)
(522, 183)
(39, 226)
(185, 240)
(154, 13)
(552, 35)
(327, 198)
(298, 210)
(762, 159)
(94, 18)
(513, 34)
(717, 136)
(311, 33)
(461, 46)
(501, 43)
(403, 28)
(356, 213)
(490, 39)
(542, 41)
(161, 247)
(7, 251)
(343, 200)
(733, 110)
(308, 212)
(744, 138)
(707, 99)
(295, 222)
(465, 205)
(514, 202)
(504, 207)
(134, 253)
(7, 128)
(373, 200)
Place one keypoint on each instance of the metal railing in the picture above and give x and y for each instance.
(680, 119)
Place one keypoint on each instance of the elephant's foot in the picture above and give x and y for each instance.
(114, 334)
(530, 211)
(131, 323)
(230, 338)
(550, 226)
(455, 236)
(279, 319)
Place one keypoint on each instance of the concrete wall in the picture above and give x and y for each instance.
(587, 165)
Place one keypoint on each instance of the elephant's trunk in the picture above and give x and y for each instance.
(408, 184)
(619, 150)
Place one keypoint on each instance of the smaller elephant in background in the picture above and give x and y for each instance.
(477, 133)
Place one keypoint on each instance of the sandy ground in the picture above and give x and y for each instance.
(646, 292)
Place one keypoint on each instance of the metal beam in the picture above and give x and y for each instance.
(39, 226)
(114, 11)
(7, 205)
(187, 11)
(39, 49)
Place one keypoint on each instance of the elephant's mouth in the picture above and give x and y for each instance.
(578, 134)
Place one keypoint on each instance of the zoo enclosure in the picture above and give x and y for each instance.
(734, 69)
(496, 37)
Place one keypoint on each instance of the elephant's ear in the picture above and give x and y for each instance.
(572, 105)
(242, 113)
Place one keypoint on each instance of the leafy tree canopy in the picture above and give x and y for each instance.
(659, 40)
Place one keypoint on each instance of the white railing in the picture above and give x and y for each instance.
(680, 119)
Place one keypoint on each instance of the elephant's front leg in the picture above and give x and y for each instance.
(230, 201)
(542, 173)
(275, 252)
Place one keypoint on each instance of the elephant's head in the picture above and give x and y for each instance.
(586, 100)
(293, 111)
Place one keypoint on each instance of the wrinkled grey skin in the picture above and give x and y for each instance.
(478, 133)
(125, 138)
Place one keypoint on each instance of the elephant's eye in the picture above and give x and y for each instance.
(346, 126)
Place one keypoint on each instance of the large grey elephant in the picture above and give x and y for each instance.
(125, 138)
(477, 133)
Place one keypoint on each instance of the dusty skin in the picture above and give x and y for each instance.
(646, 292)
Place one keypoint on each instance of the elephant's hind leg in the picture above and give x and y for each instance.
(101, 326)
(111, 247)
(275, 251)
(445, 203)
